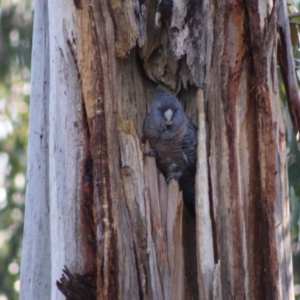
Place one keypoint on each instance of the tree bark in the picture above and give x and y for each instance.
(247, 157)
(99, 210)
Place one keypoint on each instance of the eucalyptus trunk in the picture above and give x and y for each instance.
(100, 221)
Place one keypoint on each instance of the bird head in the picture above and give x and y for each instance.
(166, 113)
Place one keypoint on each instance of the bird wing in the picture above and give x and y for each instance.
(189, 147)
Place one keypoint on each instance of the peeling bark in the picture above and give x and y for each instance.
(111, 215)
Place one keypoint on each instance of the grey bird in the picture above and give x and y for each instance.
(173, 140)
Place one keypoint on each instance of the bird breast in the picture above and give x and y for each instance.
(168, 148)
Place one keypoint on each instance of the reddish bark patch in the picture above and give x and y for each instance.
(233, 59)
(263, 247)
(105, 198)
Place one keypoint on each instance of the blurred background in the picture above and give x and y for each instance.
(16, 19)
(15, 52)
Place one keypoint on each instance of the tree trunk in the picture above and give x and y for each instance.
(98, 211)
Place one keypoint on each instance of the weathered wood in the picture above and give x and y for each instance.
(53, 194)
(204, 236)
(245, 126)
(108, 211)
(132, 170)
(164, 214)
(36, 270)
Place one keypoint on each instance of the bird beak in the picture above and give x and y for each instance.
(168, 114)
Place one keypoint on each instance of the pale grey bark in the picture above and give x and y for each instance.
(51, 238)
(36, 253)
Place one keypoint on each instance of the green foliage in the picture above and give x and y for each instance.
(15, 53)
(293, 152)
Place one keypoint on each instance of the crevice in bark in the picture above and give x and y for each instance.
(141, 294)
(253, 210)
(209, 176)
(190, 254)
(87, 224)
(212, 217)
(78, 4)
